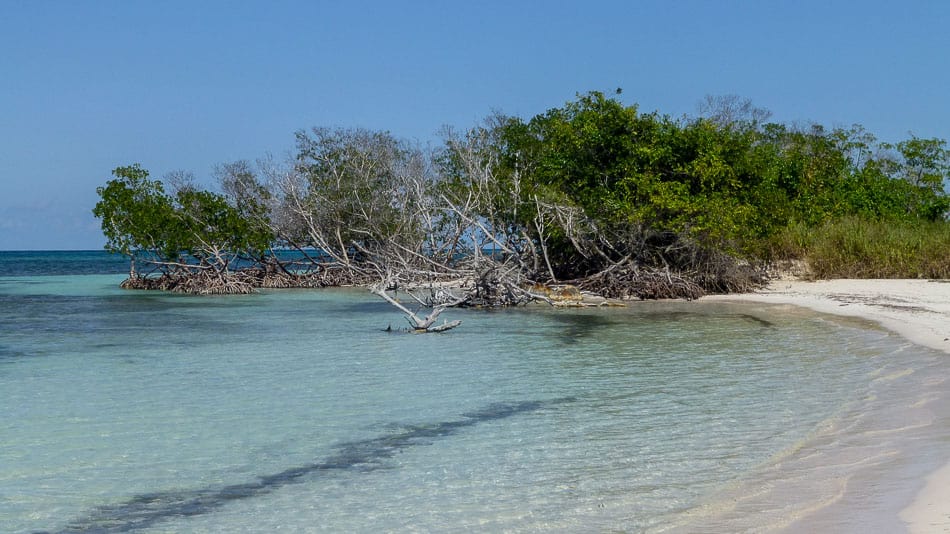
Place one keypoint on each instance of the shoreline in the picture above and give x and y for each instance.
(919, 311)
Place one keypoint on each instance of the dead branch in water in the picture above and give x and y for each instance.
(418, 324)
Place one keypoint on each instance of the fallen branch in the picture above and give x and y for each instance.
(419, 325)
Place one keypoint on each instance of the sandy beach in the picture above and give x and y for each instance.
(918, 310)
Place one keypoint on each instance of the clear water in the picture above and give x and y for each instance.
(294, 410)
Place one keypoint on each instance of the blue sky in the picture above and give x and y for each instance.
(86, 86)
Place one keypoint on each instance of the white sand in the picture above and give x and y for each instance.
(919, 310)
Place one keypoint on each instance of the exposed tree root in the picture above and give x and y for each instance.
(631, 281)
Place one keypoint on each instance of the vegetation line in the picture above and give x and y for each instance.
(594, 194)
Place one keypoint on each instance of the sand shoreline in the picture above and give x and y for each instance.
(918, 310)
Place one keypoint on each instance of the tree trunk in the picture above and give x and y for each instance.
(419, 325)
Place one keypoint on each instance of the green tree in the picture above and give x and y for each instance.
(213, 231)
(926, 166)
(135, 214)
(142, 222)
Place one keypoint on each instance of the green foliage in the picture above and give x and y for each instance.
(135, 213)
(586, 185)
(139, 219)
(926, 166)
(207, 226)
(728, 181)
(855, 247)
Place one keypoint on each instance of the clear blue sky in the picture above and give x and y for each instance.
(86, 86)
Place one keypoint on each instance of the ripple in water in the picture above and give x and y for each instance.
(131, 411)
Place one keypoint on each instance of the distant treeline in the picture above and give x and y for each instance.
(595, 193)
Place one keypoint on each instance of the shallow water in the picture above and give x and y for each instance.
(295, 410)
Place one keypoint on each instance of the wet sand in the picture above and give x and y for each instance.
(918, 310)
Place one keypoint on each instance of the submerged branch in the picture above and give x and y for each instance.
(419, 325)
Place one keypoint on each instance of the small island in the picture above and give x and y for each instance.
(594, 199)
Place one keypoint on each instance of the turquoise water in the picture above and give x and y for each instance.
(126, 411)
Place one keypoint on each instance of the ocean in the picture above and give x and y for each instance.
(296, 410)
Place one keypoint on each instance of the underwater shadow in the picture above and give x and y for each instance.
(150, 509)
(573, 327)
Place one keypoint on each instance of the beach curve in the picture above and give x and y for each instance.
(919, 311)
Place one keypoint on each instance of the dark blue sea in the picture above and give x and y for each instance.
(61, 262)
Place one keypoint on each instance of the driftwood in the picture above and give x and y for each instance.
(419, 325)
